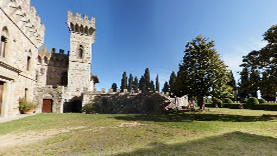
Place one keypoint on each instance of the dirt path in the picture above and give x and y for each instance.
(12, 140)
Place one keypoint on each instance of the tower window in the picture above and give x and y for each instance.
(80, 51)
(3, 45)
(28, 62)
(64, 78)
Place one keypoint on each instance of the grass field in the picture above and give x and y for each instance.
(217, 132)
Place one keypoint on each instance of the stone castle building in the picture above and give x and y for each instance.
(54, 80)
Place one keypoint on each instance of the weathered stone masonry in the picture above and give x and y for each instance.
(39, 75)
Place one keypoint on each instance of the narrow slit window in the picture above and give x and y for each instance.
(28, 62)
(80, 51)
(3, 46)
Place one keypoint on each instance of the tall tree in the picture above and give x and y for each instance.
(157, 84)
(114, 87)
(123, 82)
(166, 87)
(202, 72)
(152, 86)
(244, 83)
(232, 83)
(130, 83)
(254, 83)
(147, 79)
(262, 65)
(135, 84)
(142, 84)
(172, 81)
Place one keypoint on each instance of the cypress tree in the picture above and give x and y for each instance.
(157, 84)
(152, 86)
(114, 87)
(172, 81)
(135, 85)
(123, 81)
(142, 85)
(147, 79)
(130, 84)
(166, 87)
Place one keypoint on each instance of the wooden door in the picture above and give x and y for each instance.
(1, 94)
(47, 106)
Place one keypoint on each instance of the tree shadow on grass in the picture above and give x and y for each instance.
(189, 117)
(235, 143)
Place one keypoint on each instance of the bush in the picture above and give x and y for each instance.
(233, 105)
(243, 100)
(227, 101)
(217, 102)
(25, 105)
(251, 102)
(209, 105)
(88, 108)
(262, 100)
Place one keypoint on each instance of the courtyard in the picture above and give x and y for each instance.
(219, 131)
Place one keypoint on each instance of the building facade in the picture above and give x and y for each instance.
(54, 80)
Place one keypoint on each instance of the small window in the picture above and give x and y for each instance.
(80, 51)
(3, 46)
(64, 78)
(28, 62)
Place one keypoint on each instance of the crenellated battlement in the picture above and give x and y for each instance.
(25, 17)
(83, 26)
(52, 57)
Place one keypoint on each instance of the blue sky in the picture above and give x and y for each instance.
(133, 35)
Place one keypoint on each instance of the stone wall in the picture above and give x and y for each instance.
(125, 102)
(54, 94)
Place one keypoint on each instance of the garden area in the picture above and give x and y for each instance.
(217, 131)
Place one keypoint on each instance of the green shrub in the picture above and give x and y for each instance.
(25, 105)
(88, 108)
(217, 102)
(209, 105)
(262, 100)
(243, 100)
(251, 102)
(233, 105)
(227, 101)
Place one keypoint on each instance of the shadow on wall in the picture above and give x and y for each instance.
(235, 143)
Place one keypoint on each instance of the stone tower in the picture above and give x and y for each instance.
(82, 36)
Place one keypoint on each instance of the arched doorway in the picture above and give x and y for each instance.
(76, 106)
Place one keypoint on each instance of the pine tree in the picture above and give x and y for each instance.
(130, 84)
(135, 85)
(123, 81)
(157, 84)
(114, 87)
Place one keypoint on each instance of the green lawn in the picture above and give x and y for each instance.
(217, 132)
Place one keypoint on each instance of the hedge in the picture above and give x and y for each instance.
(266, 106)
(233, 105)
(209, 105)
